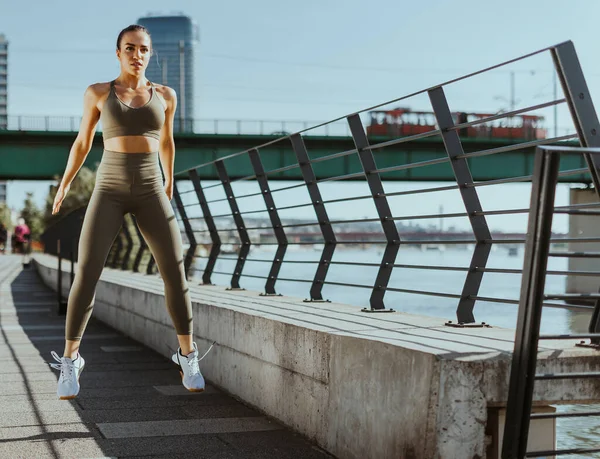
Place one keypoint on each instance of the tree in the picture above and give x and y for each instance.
(5, 216)
(79, 195)
(33, 217)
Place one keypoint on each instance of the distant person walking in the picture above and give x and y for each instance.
(21, 237)
(137, 120)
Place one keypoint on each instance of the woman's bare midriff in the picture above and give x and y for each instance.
(131, 144)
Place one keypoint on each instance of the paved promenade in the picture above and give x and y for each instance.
(131, 404)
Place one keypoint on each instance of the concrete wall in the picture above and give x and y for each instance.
(361, 386)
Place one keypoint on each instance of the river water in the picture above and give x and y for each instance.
(571, 433)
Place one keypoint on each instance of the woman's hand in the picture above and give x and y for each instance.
(60, 195)
(169, 189)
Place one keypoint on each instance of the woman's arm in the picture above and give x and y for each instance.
(83, 143)
(167, 143)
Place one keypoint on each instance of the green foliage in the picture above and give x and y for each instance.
(78, 195)
(33, 217)
(5, 216)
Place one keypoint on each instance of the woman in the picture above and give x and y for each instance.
(137, 124)
(20, 236)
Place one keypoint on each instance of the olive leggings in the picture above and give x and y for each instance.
(128, 182)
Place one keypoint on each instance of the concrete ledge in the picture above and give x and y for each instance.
(361, 386)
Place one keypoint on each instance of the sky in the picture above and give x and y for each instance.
(308, 61)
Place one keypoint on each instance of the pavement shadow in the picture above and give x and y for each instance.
(131, 402)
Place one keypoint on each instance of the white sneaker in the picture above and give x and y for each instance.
(70, 370)
(190, 371)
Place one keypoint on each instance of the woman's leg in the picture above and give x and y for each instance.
(158, 225)
(101, 224)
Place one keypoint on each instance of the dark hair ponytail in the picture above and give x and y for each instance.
(132, 28)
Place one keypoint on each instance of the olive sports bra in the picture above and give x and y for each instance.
(119, 119)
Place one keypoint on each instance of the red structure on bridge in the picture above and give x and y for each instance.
(401, 122)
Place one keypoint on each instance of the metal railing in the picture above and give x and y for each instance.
(61, 240)
(523, 370)
(128, 252)
(203, 230)
(213, 234)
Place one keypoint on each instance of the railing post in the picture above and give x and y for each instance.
(586, 123)
(129, 240)
(72, 260)
(59, 278)
(330, 241)
(189, 257)
(140, 253)
(384, 212)
(580, 104)
(118, 247)
(239, 223)
(594, 325)
(537, 246)
(62, 307)
(275, 221)
(150, 265)
(210, 224)
(464, 179)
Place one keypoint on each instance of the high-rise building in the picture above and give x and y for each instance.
(3, 82)
(2, 191)
(174, 39)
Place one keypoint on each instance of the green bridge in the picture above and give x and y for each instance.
(42, 155)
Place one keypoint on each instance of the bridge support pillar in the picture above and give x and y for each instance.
(583, 226)
(542, 432)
